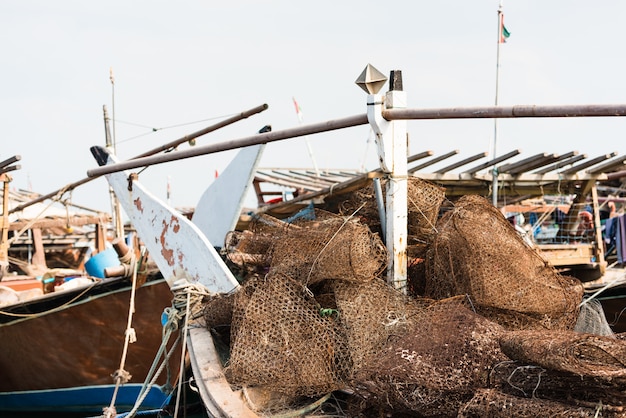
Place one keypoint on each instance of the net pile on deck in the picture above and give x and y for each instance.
(486, 329)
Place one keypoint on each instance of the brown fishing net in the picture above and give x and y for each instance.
(434, 367)
(580, 354)
(489, 403)
(333, 248)
(314, 314)
(371, 313)
(477, 252)
(281, 340)
(423, 202)
(531, 381)
(218, 310)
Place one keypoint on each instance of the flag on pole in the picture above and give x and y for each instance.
(298, 110)
(504, 33)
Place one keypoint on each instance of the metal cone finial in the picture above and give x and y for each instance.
(371, 80)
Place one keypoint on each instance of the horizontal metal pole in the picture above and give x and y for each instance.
(186, 138)
(11, 168)
(263, 138)
(9, 161)
(518, 111)
(211, 128)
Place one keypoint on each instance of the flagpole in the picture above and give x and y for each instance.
(306, 138)
(495, 121)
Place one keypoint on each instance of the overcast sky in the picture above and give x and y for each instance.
(176, 63)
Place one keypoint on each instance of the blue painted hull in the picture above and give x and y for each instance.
(87, 399)
(58, 353)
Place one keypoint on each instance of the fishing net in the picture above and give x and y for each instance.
(568, 351)
(314, 315)
(493, 404)
(218, 309)
(435, 367)
(371, 313)
(477, 252)
(281, 340)
(424, 199)
(331, 248)
(532, 381)
(591, 319)
(248, 251)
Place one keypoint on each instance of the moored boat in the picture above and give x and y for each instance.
(91, 336)
(431, 354)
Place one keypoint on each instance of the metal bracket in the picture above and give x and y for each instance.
(132, 177)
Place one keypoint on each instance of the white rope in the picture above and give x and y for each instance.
(121, 376)
(145, 389)
(187, 296)
(182, 355)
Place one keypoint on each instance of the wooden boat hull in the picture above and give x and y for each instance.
(79, 345)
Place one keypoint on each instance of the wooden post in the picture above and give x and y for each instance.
(39, 256)
(598, 227)
(4, 245)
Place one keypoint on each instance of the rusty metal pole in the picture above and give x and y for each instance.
(165, 147)
(263, 138)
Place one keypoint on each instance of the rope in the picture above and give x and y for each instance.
(147, 385)
(182, 356)
(188, 296)
(121, 376)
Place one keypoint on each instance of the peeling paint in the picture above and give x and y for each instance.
(176, 224)
(168, 254)
(138, 205)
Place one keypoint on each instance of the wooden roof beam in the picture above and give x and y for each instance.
(589, 163)
(433, 161)
(531, 165)
(462, 162)
(564, 160)
(60, 222)
(419, 156)
(512, 166)
(493, 162)
(612, 165)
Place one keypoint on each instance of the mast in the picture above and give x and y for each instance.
(501, 37)
(115, 206)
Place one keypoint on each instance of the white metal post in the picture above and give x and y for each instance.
(391, 140)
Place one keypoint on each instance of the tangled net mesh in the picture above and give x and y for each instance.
(491, 403)
(332, 248)
(435, 367)
(279, 340)
(485, 329)
(424, 200)
(477, 252)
